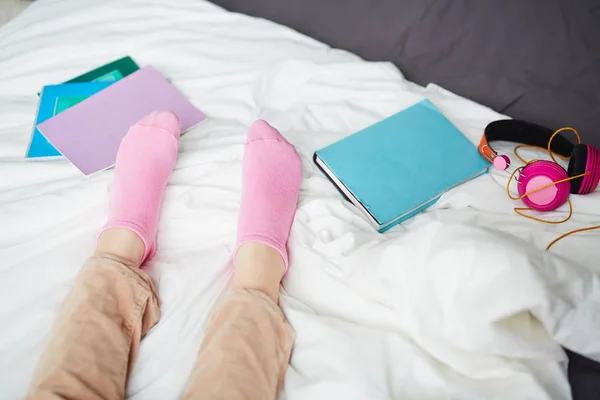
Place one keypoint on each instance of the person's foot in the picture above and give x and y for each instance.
(145, 160)
(271, 182)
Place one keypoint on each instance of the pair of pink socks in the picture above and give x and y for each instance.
(272, 173)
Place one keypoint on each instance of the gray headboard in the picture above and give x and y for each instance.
(537, 60)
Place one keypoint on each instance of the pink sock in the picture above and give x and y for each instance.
(271, 181)
(145, 160)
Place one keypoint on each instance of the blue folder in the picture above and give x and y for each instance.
(401, 165)
(53, 100)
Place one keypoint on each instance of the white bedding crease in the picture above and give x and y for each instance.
(460, 302)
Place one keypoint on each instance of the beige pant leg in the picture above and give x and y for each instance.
(97, 332)
(245, 352)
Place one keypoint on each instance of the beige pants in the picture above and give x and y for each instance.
(110, 308)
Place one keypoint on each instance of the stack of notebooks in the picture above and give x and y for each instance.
(401, 165)
(85, 118)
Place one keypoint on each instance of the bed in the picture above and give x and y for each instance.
(460, 302)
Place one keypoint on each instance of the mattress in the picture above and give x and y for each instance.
(460, 302)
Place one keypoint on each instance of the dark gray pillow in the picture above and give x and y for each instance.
(537, 60)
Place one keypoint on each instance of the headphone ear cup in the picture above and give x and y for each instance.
(577, 166)
(592, 167)
(537, 175)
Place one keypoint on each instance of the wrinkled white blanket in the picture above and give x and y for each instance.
(461, 302)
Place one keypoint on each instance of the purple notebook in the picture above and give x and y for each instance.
(89, 133)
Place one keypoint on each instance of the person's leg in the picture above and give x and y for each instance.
(112, 303)
(259, 267)
(248, 341)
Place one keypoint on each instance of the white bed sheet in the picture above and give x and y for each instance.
(461, 302)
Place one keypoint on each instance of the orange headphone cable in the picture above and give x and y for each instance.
(570, 233)
(519, 210)
(530, 146)
(550, 152)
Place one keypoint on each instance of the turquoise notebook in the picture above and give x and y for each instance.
(53, 100)
(401, 165)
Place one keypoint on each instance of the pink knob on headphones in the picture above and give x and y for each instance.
(501, 162)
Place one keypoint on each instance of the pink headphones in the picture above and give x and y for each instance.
(544, 185)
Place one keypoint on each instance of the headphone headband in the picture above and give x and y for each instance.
(524, 132)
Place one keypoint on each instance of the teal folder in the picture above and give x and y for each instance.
(53, 100)
(401, 165)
